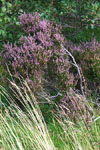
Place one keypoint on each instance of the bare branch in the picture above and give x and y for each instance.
(96, 118)
(78, 70)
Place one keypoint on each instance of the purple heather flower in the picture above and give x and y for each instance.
(38, 49)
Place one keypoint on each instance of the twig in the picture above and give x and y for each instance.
(75, 64)
(96, 119)
(68, 26)
(54, 96)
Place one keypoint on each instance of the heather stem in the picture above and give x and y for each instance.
(78, 70)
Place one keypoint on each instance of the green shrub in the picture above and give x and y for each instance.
(9, 26)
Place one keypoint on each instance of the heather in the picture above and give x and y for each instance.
(38, 53)
(42, 61)
(87, 55)
(49, 75)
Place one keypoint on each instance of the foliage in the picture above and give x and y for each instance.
(76, 14)
(87, 11)
(80, 19)
(25, 130)
(75, 107)
(9, 26)
(87, 55)
(39, 53)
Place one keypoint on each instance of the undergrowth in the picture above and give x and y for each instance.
(27, 129)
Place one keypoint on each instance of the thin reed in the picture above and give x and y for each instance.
(27, 130)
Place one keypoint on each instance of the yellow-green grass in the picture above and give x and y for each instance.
(27, 130)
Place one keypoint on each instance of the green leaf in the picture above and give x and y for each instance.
(21, 10)
(19, 35)
(14, 19)
(10, 35)
(99, 14)
(93, 21)
(0, 20)
(87, 27)
(1, 14)
(3, 33)
(74, 11)
(9, 5)
(3, 9)
(9, 19)
(3, 1)
(17, 23)
(61, 13)
(5, 18)
(92, 26)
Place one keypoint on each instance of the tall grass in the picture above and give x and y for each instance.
(26, 129)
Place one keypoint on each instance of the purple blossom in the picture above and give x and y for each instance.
(38, 50)
(84, 46)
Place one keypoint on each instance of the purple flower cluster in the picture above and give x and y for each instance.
(87, 54)
(75, 107)
(42, 30)
(84, 46)
(29, 22)
(38, 50)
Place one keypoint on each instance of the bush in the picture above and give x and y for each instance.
(9, 10)
(75, 106)
(38, 53)
(38, 56)
(87, 55)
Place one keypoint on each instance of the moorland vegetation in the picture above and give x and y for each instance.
(49, 75)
